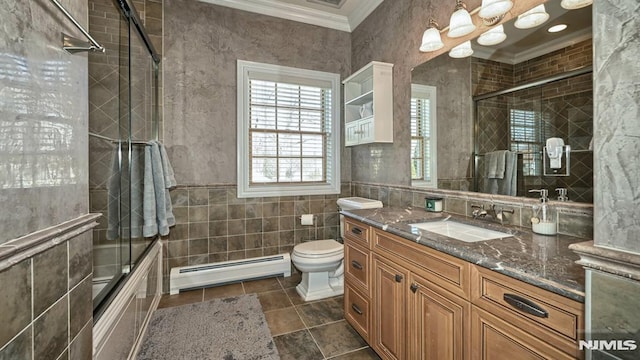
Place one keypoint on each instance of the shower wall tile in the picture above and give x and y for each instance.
(50, 276)
(200, 104)
(46, 298)
(51, 332)
(15, 300)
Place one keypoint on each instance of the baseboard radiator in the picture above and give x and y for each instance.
(191, 277)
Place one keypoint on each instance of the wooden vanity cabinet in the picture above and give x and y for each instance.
(414, 317)
(357, 275)
(389, 333)
(547, 319)
(409, 301)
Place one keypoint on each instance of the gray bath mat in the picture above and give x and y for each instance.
(230, 329)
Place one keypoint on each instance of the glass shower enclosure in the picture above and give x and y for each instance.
(123, 117)
(520, 119)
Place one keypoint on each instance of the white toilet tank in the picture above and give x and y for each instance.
(355, 203)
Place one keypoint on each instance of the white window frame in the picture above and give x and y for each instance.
(428, 92)
(248, 70)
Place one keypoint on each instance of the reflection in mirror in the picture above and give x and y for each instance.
(500, 110)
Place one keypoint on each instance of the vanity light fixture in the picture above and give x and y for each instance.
(494, 10)
(461, 51)
(557, 28)
(532, 18)
(493, 37)
(575, 4)
(431, 40)
(460, 23)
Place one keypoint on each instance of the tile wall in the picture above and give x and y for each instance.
(574, 219)
(213, 224)
(46, 304)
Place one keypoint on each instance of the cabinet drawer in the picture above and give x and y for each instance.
(446, 271)
(356, 231)
(357, 267)
(496, 338)
(356, 311)
(547, 315)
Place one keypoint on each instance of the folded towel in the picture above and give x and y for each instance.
(495, 163)
(149, 197)
(113, 194)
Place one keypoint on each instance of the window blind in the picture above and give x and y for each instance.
(289, 132)
(420, 139)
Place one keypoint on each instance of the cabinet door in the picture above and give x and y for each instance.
(497, 339)
(389, 302)
(366, 130)
(438, 322)
(351, 133)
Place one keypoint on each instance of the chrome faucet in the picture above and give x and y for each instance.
(478, 211)
(496, 213)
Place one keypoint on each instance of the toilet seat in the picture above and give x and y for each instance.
(318, 249)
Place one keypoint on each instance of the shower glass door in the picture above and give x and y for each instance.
(123, 117)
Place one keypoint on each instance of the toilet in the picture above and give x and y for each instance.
(321, 261)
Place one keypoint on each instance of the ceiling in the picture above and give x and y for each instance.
(344, 15)
(522, 45)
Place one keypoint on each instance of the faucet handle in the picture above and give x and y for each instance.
(562, 194)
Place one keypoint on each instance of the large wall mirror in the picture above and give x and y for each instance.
(511, 117)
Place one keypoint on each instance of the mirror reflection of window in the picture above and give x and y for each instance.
(526, 137)
(423, 136)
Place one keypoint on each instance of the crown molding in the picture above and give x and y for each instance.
(360, 13)
(287, 11)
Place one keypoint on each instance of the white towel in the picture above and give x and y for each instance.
(495, 164)
(113, 194)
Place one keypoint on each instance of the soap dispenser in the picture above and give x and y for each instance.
(544, 219)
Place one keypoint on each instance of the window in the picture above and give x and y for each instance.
(288, 131)
(423, 136)
(526, 138)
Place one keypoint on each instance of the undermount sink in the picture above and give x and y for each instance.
(459, 231)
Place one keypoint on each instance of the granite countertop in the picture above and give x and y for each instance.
(540, 260)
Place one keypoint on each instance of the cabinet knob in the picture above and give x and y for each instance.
(356, 231)
(356, 265)
(414, 287)
(398, 278)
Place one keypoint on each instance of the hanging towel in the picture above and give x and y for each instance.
(113, 194)
(169, 176)
(149, 198)
(137, 188)
(508, 184)
(495, 162)
(169, 182)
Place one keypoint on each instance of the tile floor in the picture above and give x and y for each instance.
(301, 330)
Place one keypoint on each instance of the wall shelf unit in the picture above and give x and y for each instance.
(368, 105)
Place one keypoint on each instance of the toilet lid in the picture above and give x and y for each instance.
(319, 247)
